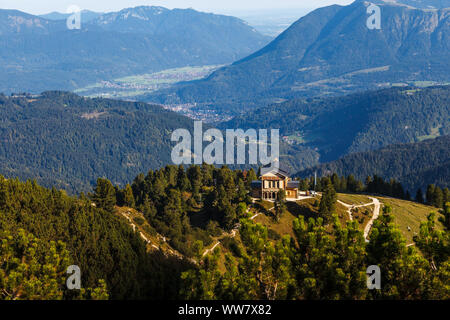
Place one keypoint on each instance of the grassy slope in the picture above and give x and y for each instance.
(409, 214)
(356, 199)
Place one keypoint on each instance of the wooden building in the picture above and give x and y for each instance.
(271, 182)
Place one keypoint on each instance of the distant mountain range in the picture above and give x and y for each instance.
(424, 4)
(329, 51)
(415, 165)
(86, 15)
(40, 54)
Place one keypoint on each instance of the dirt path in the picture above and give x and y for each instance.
(134, 226)
(211, 250)
(232, 234)
(376, 213)
(259, 213)
(350, 207)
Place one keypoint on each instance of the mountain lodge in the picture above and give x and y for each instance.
(271, 182)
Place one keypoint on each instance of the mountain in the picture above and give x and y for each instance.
(14, 23)
(425, 4)
(335, 126)
(86, 15)
(415, 165)
(329, 51)
(40, 54)
(68, 141)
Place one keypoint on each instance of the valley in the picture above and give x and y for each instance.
(131, 87)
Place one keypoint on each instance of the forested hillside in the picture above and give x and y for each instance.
(414, 165)
(43, 231)
(357, 122)
(320, 254)
(67, 141)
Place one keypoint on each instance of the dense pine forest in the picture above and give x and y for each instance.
(45, 230)
(370, 120)
(68, 141)
(415, 165)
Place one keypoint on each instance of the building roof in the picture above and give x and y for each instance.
(293, 184)
(274, 171)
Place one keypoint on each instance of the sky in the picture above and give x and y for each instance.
(216, 6)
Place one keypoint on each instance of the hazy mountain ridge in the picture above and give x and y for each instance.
(14, 22)
(41, 54)
(423, 4)
(86, 15)
(330, 51)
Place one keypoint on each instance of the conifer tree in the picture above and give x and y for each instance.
(438, 198)
(104, 195)
(128, 197)
(327, 204)
(280, 204)
(430, 193)
(445, 196)
(404, 273)
(251, 176)
(419, 196)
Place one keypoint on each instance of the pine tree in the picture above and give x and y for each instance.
(336, 182)
(242, 191)
(229, 217)
(328, 202)
(280, 204)
(4, 194)
(148, 209)
(419, 196)
(408, 195)
(430, 193)
(446, 197)
(183, 182)
(438, 198)
(251, 176)
(352, 183)
(404, 272)
(447, 216)
(128, 197)
(104, 195)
